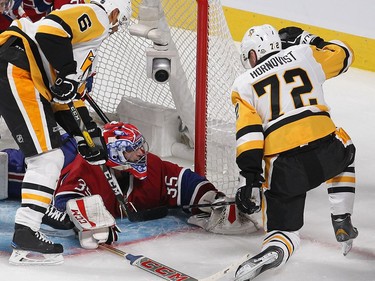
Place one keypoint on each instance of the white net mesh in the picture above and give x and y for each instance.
(121, 72)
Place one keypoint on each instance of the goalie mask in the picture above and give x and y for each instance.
(263, 39)
(127, 148)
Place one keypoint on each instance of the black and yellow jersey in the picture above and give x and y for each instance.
(280, 103)
(68, 36)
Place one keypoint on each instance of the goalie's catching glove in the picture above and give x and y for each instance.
(98, 154)
(292, 35)
(65, 89)
(249, 196)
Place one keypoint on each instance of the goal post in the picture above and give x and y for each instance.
(201, 88)
(198, 91)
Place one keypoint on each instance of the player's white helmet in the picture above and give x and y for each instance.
(263, 39)
(124, 7)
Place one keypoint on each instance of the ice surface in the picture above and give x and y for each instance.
(200, 254)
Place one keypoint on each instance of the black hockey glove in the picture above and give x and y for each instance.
(249, 196)
(65, 89)
(292, 35)
(97, 155)
(113, 234)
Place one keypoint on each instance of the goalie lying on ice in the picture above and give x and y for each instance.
(148, 183)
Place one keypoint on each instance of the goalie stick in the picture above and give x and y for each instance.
(115, 188)
(220, 274)
(166, 272)
(150, 265)
(162, 211)
(96, 107)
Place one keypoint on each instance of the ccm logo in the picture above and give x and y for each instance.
(78, 216)
(162, 270)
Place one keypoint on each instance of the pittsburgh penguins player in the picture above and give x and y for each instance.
(43, 66)
(283, 119)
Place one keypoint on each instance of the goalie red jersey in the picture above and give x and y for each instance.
(166, 184)
(147, 181)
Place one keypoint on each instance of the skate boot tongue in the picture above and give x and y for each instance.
(56, 219)
(57, 223)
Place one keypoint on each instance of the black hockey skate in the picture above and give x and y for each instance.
(27, 241)
(56, 223)
(269, 258)
(345, 232)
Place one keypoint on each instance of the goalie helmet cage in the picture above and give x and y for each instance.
(207, 63)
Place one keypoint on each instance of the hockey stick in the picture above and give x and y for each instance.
(220, 274)
(150, 214)
(167, 272)
(149, 265)
(217, 204)
(162, 211)
(96, 107)
(132, 216)
(115, 188)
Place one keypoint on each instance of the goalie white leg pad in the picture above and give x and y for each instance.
(226, 220)
(89, 213)
(22, 257)
(92, 220)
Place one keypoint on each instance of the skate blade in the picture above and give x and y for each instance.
(251, 270)
(346, 246)
(21, 257)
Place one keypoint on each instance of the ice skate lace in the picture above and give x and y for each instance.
(42, 237)
(55, 214)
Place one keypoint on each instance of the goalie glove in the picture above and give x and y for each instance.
(292, 35)
(226, 220)
(249, 196)
(210, 197)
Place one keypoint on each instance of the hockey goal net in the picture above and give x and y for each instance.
(121, 73)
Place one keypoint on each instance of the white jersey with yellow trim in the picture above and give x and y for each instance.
(284, 94)
(86, 24)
